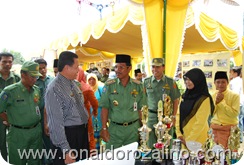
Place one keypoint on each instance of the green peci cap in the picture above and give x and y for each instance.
(157, 61)
(32, 68)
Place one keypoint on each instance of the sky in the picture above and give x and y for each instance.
(29, 26)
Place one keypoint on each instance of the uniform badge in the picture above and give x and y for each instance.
(174, 86)
(4, 96)
(115, 102)
(115, 92)
(149, 86)
(166, 86)
(36, 98)
(104, 89)
(38, 111)
(134, 93)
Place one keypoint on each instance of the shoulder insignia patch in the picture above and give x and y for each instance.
(104, 89)
(4, 96)
(136, 81)
(108, 82)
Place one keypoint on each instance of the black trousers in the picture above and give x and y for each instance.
(77, 136)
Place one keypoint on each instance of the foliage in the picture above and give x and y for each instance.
(18, 58)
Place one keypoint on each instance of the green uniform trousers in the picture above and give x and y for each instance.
(27, 140)
(3, 145)
(122, 135)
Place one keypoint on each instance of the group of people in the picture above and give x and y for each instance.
(73, 112)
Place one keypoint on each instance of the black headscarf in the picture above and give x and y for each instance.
(191, 96)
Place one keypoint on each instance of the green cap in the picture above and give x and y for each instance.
(32, 68)
(157, 61)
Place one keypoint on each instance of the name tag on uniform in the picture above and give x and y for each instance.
(135, 106)
(37, 111)
(164, 96)
(20, 100)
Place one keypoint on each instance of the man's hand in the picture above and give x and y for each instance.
(173, 121)
(69, 158)
(219, 97)
(6, 123)
(4, 116)
(46, 129)
(105, 135)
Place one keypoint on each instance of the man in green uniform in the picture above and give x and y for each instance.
(6, 78)
(104, 76)
(21, 103)
(42, 82)
(55, 67)
(157, 87)
(121, 102)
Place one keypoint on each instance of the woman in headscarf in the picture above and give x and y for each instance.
(195, 108)
(89, 101)
(96, 120)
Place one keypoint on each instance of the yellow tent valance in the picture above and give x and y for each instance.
(211, 30)
(113, 23)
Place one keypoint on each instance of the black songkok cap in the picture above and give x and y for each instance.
(137, 71)
(55, 63)
(220, 75)
(123, 58)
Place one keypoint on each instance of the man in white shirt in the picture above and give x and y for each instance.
(236, 86)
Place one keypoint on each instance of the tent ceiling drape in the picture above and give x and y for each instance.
(122, 32)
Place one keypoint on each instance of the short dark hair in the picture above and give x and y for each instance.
(41, 61)
(6, 54)
(237, 69)
(66, 58)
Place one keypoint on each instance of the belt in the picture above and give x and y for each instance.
(152, 111)
(125, 124)
(77, 126)
(22, 127)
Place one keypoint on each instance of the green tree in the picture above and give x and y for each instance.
(18, 58)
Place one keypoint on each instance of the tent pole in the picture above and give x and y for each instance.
(164, 29)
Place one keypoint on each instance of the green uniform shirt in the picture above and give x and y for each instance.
(120, 100)
(13, 78)
(21, 106)
(42, 84)
(104, 78)
(155, 90)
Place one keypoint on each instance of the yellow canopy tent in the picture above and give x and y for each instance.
(125, 31)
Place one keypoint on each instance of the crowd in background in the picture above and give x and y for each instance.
(42, 111)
